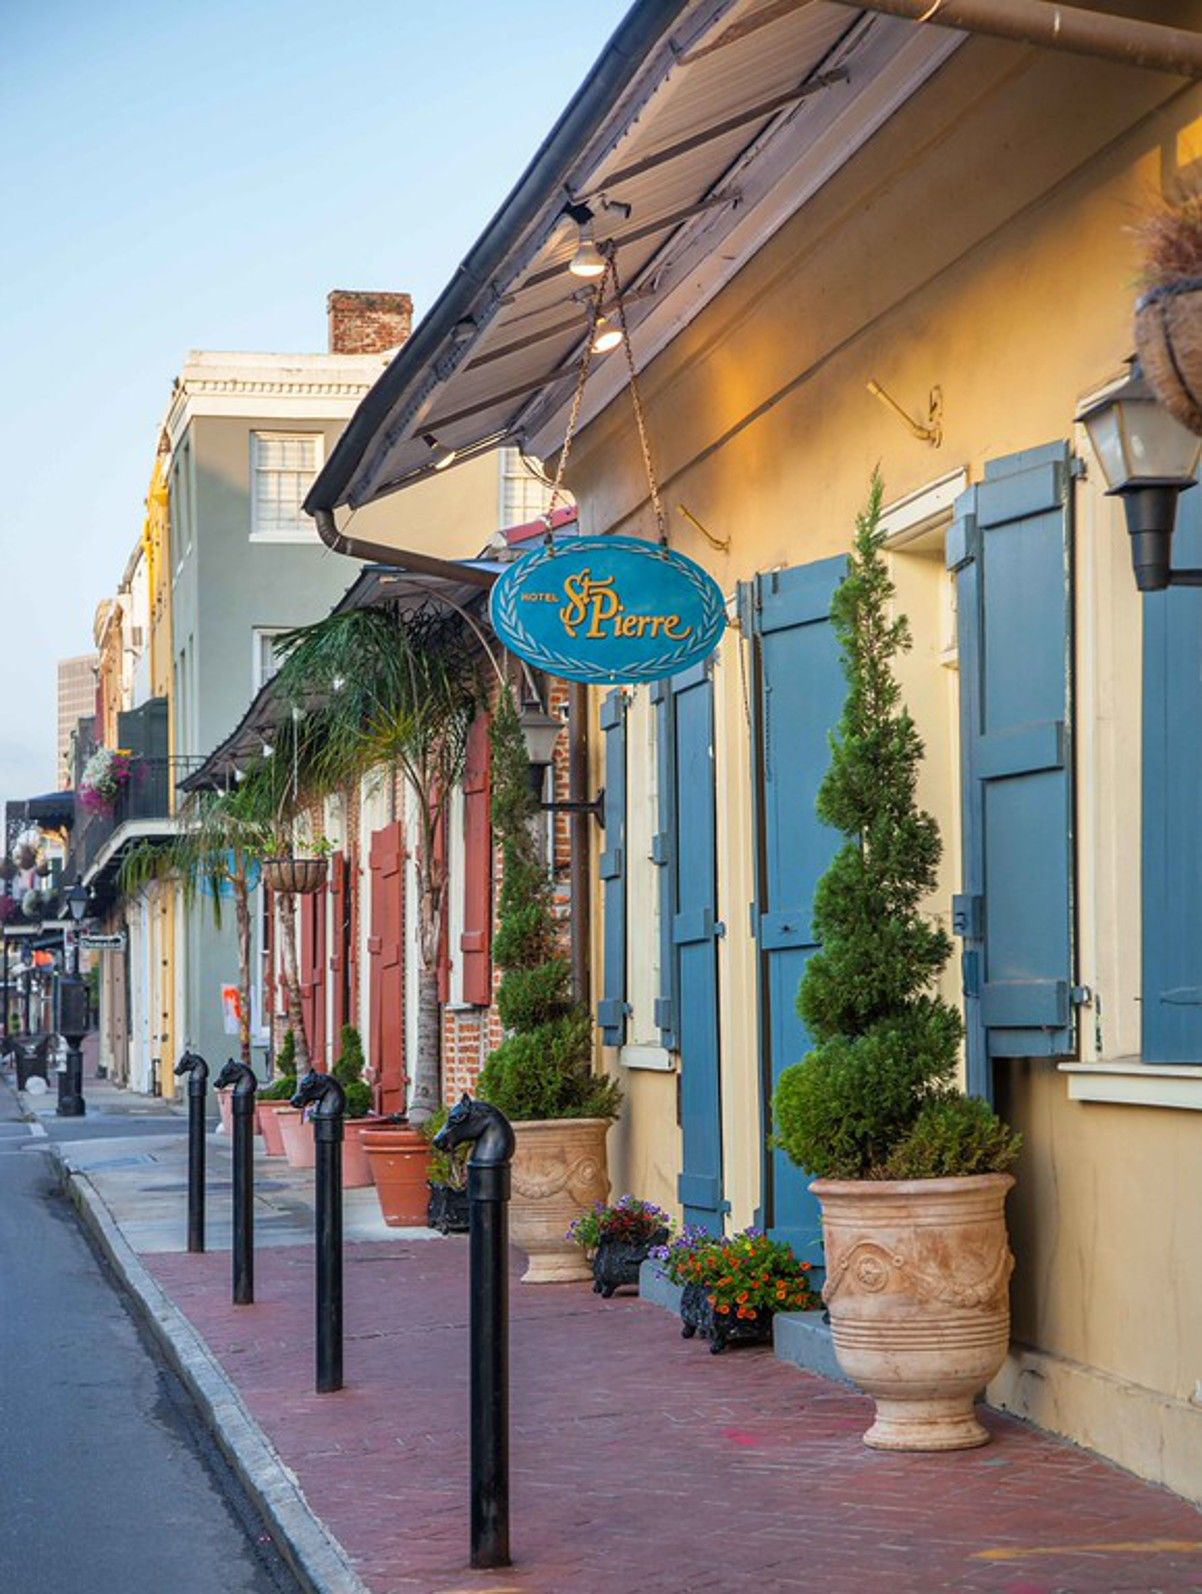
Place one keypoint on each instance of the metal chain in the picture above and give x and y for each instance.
(577, 398)
(637, 400)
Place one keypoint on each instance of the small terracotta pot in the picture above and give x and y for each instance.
(225, 1106)
(400, 1166)
(356, 1164)
(1168, 339)
(297, 1132)
(559, 1170)
(273, 1139)
(918, 1290)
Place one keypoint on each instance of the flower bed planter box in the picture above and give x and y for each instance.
(616, 1263)
(697, 1316)
(447, 1210)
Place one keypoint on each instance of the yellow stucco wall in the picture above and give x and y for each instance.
(982, 243)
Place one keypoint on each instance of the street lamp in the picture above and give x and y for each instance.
(1148, 459)
(541, 732)
(73, 1015)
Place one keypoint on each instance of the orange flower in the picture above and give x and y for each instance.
(724, 1310)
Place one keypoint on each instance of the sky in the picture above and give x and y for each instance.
(199, 176)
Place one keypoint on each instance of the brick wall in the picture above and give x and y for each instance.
(367, 323)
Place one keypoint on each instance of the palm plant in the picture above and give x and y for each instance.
(382, 687)
(223, 834)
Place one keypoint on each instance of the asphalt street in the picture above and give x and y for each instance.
(108, 1482)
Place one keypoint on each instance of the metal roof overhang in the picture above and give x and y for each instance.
(460, 588)
(702, 128)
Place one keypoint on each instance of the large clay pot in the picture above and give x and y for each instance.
(918, 1290)
(297, 1132)
(273, 1137)
(400, 1166)
(559, 1170)
(1168, 338)
(356, 1165)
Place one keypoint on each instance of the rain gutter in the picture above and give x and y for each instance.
(1055, 27)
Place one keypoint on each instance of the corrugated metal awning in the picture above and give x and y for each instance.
(702, 128)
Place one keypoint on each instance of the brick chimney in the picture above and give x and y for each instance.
(368, 323)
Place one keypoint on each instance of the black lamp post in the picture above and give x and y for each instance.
(1148, 459)
(73, 1015)
(541, 732)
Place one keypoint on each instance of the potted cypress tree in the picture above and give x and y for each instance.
(541, 1076)
(912, 1174)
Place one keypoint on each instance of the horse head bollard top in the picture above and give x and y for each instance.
(242, 1077)
(326, 1096)
(490, 1134)
(197, 1070)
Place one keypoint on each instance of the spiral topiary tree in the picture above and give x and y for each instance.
(543, 1068)
(875, 1095)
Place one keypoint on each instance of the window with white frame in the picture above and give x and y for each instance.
(282, 468)
(265, 659)
(524, 495)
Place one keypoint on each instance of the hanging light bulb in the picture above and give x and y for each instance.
(606, 335)
(588, 261)
(440, 455)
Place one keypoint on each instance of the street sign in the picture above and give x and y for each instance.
(103, 943)
(608, 610)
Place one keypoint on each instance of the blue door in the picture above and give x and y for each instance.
(1011, 550)
(691, 859)
(798, 698)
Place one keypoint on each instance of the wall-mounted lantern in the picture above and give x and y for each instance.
(1148, 459)
(541, 732)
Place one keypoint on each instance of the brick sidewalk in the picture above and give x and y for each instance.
(642, 1463)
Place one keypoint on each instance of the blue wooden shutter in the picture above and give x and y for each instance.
(799, 692)
(1172, 808)
(662, 854)
(695, 929)
(611, 1009)
(1011, 550)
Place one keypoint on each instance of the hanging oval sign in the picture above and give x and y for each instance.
(608, 610)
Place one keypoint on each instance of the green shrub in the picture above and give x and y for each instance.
(359, 1100)
(283, 1084)
(348, 1070)
(543, 1068)
(884, 1046)
(954, 1134)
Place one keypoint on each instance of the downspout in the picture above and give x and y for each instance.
(1110, 38)
(580, 830)
(379, 553)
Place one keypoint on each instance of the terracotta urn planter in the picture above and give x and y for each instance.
(297, 1133)
(356, 1165)
(559, 1170)
(918, 1290)
(225, 1106)
(400, 1166)
(1168, 339)
(273, 1139)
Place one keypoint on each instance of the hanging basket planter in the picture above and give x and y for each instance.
(296, 876)
(43, 870)
(1168, 338)
(26, 855)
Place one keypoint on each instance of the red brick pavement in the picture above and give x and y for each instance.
(642, 1463)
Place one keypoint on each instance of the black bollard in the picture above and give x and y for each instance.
(242, 1078)
(326, 1095)
(197, 1070)
(488, 1182)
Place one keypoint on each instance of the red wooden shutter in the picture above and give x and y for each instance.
(386, 964)
(313, 982)
(475, 944)
(338, 947)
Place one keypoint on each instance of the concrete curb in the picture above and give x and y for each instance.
(320, 1563)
